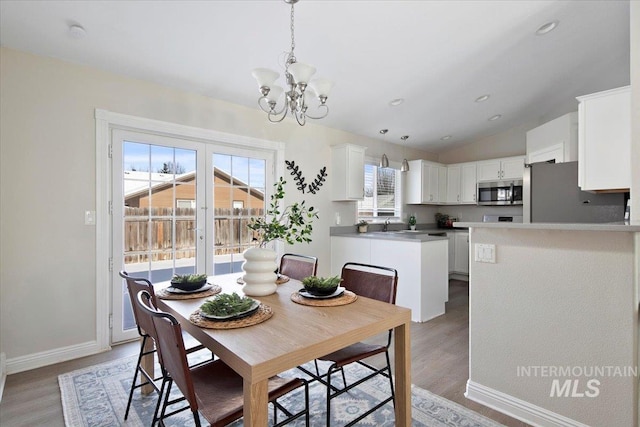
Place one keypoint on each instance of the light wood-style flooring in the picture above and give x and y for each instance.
(440, 364)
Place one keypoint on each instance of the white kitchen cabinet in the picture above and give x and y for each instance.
(461, 185)
(555, 140)
(451, 235)
(442, 184)
(347, 172)
(423, 282)
(453, 184)
(461, 263)
(604, 140)
(422, 182)
(500, 169)
(468, 183)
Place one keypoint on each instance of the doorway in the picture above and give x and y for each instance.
(179, 206)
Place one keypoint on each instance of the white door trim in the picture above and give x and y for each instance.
(105, 122)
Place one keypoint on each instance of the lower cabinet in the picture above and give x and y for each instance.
(458, 252)
(423, 280)
(461, 264)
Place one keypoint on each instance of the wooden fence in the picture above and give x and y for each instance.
(148, 232)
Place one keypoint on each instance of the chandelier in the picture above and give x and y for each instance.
(301, 89)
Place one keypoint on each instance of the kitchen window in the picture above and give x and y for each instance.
(382, 200)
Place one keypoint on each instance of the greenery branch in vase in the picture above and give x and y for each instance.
(291, 224)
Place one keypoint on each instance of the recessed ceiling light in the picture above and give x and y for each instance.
(384, 131)
(546, 28)
(76, 31)
(482, 98)
(396, 102)
(446, 137)
(494, 118)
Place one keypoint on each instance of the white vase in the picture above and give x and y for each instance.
(259, 272)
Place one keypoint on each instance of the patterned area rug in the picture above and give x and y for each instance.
(97, 396)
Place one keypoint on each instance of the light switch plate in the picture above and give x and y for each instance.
(89, 217)
(485, 253)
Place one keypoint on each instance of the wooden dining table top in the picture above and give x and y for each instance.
(294, 335)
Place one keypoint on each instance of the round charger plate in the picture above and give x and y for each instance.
(209, 292)
(346, 298)
(263, 313)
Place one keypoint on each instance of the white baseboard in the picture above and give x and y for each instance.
(517, 408)
(3, 373)
(45, 358)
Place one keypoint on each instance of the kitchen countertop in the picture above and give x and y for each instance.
(632, 227)
(406, 235)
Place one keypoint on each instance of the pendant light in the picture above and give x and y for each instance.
(405, 163)
(384, 161)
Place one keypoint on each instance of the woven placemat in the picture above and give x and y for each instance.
(279, 281)
(346, 298)
(263, 313)
(165, 294)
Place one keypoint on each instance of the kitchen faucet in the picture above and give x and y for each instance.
(386, 224)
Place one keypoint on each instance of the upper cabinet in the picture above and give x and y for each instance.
(468, 183)
(604, 140)
(423, 183)
(461, 183)
(347, 164)
(500, 169)
(555, 140)
(453, 184)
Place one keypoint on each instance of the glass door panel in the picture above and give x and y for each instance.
(238, 194)
(155, 215)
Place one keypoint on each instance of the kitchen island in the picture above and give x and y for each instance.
(420, 258)
(553, 322)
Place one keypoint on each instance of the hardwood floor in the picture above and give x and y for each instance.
(439, 349)
(440, 354)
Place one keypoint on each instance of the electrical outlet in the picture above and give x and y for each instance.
(485, 253)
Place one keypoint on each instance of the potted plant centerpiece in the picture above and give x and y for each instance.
(291, 224)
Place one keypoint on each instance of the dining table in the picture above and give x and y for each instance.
(293, 335)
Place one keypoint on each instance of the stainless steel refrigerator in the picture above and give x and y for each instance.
(551, 194)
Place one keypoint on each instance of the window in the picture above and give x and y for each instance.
(381, 194)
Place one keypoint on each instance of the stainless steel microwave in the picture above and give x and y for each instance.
(500, 192)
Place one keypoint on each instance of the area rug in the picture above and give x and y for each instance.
(97, 397)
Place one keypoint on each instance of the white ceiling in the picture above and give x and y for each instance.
(437, 55)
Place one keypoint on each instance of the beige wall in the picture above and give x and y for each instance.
(558, 299)
(48, 181)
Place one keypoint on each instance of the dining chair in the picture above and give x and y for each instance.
(298, 267)
(370, 281)
(145, 330)
(211, 389)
